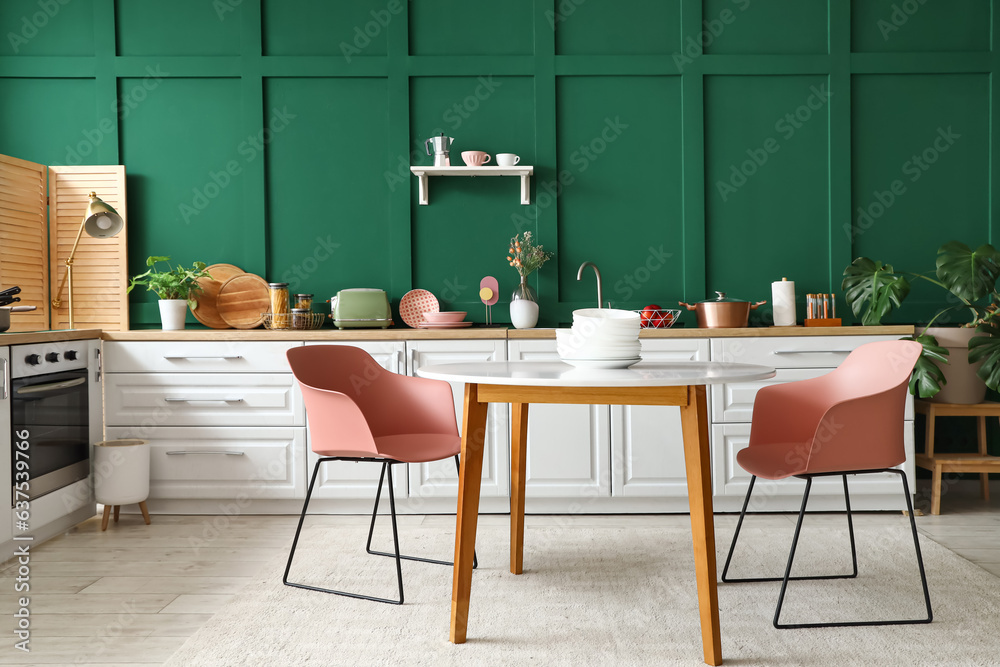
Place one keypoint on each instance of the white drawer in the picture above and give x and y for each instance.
(242, 463)
(197, 356)
(178, 399)
(677, 349)
(790, 352)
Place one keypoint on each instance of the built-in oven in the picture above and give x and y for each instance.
(50, 411)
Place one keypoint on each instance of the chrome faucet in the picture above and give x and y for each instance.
(579, 276)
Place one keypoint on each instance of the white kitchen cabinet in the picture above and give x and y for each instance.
(569, 446)
(794, 358)
(347, 480)
(429, 482)
(6, 518)
(647, 446)
(224, 420)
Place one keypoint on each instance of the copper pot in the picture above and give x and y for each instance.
(722, 313)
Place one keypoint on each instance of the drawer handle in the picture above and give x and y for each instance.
(211, 356)
(226, 452)
(811, 351)
(170, 399)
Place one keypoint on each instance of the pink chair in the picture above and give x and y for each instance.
(847, 422)
(358, 411)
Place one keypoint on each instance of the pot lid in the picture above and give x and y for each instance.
(722, 298)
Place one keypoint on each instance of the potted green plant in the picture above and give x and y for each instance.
(175, 286)
(970, 278)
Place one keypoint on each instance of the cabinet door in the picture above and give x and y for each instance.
(344, 479)
(439, 479)
(5, 441)
(569, 447)
(647, 447)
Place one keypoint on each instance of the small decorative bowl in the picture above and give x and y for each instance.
(447, 317)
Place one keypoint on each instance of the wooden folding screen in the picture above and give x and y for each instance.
(23, 240)
(100, 266)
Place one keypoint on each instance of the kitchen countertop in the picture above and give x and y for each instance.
(494, 333)
(22, 337)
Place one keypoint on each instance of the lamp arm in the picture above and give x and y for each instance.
(56, 301)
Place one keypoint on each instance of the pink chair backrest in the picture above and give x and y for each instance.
(351, 400)
(852, 417)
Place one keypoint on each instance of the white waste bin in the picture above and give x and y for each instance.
(121, 476)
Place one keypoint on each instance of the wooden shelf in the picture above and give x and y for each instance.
(978, 462)
(524, 172)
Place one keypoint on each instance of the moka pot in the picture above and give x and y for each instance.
(442, 146)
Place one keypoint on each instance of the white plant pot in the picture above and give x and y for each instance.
(523, 313)
(964, 386)
(172, 314)
(121, 471)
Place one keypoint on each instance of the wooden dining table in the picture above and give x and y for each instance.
(522, 383)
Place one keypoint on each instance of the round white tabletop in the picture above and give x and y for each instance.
(560, 374)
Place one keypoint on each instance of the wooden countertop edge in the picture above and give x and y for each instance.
(27, 337)
(491, 333)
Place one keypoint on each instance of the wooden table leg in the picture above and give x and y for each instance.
(518, 470)
(936, 489)
(145, 512)
(984, 477)
(929, 451)
(470, 479)
(107, 515)
(698, 464)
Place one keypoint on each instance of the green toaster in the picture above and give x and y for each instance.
(360, 308)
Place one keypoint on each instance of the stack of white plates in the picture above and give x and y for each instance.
(600, 338)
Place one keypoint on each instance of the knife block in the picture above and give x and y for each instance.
(822, 322)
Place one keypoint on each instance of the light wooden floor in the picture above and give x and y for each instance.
(132, 595)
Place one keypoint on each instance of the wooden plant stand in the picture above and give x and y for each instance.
(107, 514)
(980, 461)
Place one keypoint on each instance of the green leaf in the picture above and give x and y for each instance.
(986, 348)
(174, 283)
(927, 378)
(872, 290)
(968, 274)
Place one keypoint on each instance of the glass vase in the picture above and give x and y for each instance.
(524, 306)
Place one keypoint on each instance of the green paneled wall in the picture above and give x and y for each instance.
(684, 146)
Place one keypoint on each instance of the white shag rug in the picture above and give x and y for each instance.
(606, 596)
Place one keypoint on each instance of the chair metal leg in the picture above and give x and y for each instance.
(371, 531)
(395, 540)
(739, 525)
(791, 556)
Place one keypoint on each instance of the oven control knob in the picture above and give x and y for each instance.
(52, 357)
(32, 360)
(69, 355)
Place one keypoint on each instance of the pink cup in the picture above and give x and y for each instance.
(475, 158)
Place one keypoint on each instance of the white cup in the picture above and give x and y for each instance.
(507, 159)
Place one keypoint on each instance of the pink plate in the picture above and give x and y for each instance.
(414, 304)
(444, 325)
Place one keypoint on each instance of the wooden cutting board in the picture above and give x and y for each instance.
(244, 301)
(207, 311)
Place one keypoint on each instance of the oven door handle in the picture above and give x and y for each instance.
(52, 386)
(5, 379)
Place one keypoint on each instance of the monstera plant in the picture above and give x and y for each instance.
(873, 290)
